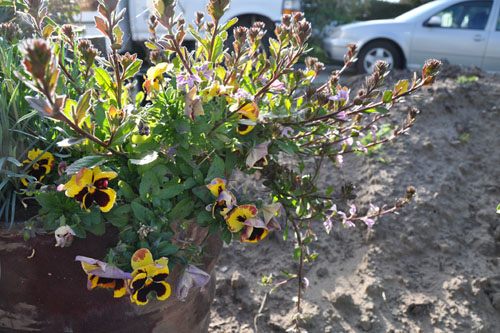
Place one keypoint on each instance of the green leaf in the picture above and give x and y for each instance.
(70, 142)
(119, 216)
(89, 162)
(171, 191)
(229, 24)
(387, 96)
(204, 218)
(377, 110)
(142, 213)
(296, 253)
(126, 190)
(97, 229)
(288, 147)
(218, 45)
(83, 106)
(183, 209)
(226, 235)
(166, 249)
(104, 81)
(149, 158)
(401, 87)
(216, 169)
(133, 69)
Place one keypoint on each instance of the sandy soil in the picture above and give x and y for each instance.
(432, 268)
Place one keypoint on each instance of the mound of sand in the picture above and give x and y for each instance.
(432, 268)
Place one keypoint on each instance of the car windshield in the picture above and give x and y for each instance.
(416, 11)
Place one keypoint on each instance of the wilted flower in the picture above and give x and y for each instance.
(148, 276)
(193, 277)
(88, 186)
(104, 275)
(64, 236)
(257, 154)
(193, 106)
(41, 167)
(270, 212)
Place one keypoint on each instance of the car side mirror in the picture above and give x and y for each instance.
(434, 21)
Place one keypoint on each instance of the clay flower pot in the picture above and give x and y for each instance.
(42, 287)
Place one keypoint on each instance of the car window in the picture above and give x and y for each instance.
(466, 15)
(498, 23)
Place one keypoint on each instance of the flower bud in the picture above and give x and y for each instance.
(304, 31)
(286, 20)
(298, 16)
(10, 31)
(67, 30)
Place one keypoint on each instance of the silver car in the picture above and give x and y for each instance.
(463, 32)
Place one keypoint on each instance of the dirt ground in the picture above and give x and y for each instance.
(432, 268)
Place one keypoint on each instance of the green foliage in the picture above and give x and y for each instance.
(464, 79)
(158, 168)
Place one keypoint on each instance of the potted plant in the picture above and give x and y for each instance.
(151, 170)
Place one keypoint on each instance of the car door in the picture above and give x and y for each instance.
(457, 33)
(491, 60)
(139, 18)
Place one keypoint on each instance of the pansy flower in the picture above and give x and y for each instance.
(225, 199)
(225, 202)
(237, 218)
(91, 185)
(41, 167)
(255, 230)
(153, 77)
(104, 275)
(249, 112)
(216, 186)
(148, 276)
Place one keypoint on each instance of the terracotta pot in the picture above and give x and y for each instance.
(42, 288)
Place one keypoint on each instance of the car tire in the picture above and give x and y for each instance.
(375, 51)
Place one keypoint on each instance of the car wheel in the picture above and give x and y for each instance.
(375, 51)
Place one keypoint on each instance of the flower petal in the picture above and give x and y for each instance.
(240, 215)
(257, 153)
(98, 174)
(105, 198)
(270, 211)
(192, 277)
(216, 186)
(253, 234)
(141, 258)
(250, 111)
(102, 269)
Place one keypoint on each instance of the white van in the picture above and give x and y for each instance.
(135, 24)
